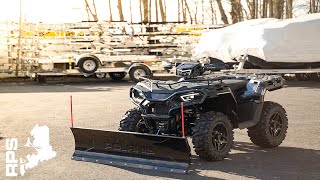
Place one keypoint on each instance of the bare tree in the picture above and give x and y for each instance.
(94, 12)
(145, 11)
(223, 14)
(202, 10)
(162, 11)
(196, 11)
(245, 12)
(264, 8)
(271, 14)
(120, 10)
(213, 12)
(289, 9)
(257, 8)
(184, 13)
(88, 13)
(278, 8)
(235, 10)
(157, 15)
(140, 5)
(110, 10)
(281, 9)
(149, 11)
(130, 12)
(165, 7)
(276, 5)
(189, 12)
(314, 6)
(178, 10)
(252, 8)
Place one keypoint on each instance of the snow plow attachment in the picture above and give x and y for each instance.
(130, 149)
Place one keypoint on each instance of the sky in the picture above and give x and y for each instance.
(64, 11)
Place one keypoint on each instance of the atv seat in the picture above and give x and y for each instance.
(236, 84)
(245, 90)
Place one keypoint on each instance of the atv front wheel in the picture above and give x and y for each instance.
(271, 130)
(133, 122)
(212, 136)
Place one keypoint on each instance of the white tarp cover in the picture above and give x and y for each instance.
(273, 40)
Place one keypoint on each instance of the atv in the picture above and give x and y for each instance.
(207, 108)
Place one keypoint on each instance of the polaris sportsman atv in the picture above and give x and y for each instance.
(153, 135)
(208, 108)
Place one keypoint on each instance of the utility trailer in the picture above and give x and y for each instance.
(95, 48)
(101, 64)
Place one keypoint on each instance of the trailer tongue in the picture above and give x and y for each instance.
(130, 149)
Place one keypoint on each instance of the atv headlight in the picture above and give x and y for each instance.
(191, 97)
(138, 96)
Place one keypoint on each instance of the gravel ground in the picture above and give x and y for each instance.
(100, 104)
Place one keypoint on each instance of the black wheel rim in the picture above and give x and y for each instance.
(219, 136)
(275, 125)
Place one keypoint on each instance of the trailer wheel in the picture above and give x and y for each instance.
(133, 122)
(100, 75)
(136, 73)
(315, 76)
(117, 75)
(212, 136)
(302, 76)
(88, 65)
(271, 130)
(41, 79)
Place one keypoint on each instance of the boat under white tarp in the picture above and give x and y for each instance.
(273, 41)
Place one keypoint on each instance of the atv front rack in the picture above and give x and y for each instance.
(146, 81)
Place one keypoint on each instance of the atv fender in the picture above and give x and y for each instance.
(249, 114)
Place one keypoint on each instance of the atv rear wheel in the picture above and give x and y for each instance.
(212, 136)
(133, 122)
(271, 130)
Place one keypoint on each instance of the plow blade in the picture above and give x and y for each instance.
(130, 149)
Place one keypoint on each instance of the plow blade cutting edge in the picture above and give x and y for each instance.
(130, 149)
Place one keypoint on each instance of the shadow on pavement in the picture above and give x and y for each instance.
(251, 161)
(72, 86)
(1, 137)
(303, 84)
(68, 85)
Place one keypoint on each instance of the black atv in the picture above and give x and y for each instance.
(208, 108)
